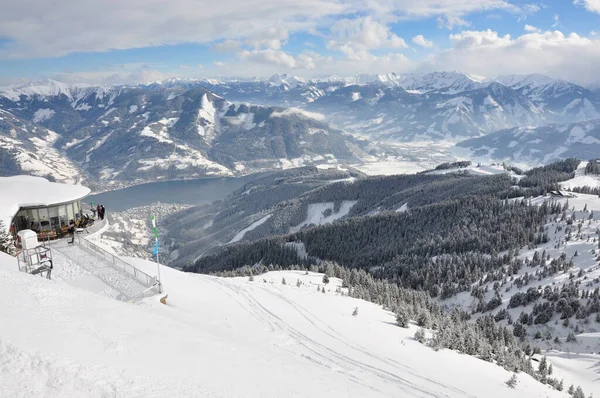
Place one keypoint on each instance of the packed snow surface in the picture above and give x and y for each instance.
(24, 191)
(323, 213)
(224, 338)
(581, 179)
(240, 235)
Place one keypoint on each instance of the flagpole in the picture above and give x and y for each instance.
(158, 267)
(155, 231)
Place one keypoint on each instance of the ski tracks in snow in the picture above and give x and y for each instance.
(319, 352)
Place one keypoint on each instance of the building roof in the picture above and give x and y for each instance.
(29, 191)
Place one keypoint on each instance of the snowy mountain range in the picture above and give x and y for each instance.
(147, 133)
(438, 105)
(536, 145)
(181, 128)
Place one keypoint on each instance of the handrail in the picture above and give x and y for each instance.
(118, 263)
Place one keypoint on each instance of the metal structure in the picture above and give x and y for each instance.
(37, 260)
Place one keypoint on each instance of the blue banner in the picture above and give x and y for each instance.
(155, 248)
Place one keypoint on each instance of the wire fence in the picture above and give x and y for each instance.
(117, 263)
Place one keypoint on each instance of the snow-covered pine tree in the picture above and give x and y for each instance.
(325, 279)
(420, 335)
(543, 367)
(6, 242)
(355, 312)
(402, 318)
(283, 281)
(512, 382)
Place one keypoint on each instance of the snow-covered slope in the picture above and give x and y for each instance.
(324, 213)
(581, 179)
(536, 146)
(28, 147)
(224, 338)
(126, 135)
(420, 106)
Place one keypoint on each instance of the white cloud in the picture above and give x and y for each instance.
(450, 21)
(422, 41)
(269, 38)
(278, 58)
(529, 28)
(556, 20)
(590, 5)
(356, 37)
(64, 26)
(531, 8)
(301, 112)
(227, 46)
(57, 28)
(490, 54)
(119, 74)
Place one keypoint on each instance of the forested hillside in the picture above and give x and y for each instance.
(502, 248)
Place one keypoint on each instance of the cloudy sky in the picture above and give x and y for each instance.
(124, 41)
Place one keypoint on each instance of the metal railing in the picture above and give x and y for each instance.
(117, 263)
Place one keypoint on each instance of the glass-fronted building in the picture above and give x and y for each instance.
(48, 208)
(48, 219)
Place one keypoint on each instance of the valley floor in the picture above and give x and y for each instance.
(223, 338)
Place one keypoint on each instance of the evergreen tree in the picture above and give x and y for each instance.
(6, 242)
(355, 312)
(512, 382)
(283, 281)
(423, 319)
(543, 368)
(420, 335)
(325, 279)
(402, 319)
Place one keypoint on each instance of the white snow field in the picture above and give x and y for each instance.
(581, 179)
(316, 214)
(223, 338)
(240, 235)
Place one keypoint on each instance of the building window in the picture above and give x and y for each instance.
(70, 214)
(77, 209)
(62, 214)
(53, 217)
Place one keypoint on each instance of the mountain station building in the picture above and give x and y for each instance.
(47, 208)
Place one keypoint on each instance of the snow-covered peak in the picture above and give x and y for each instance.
(531, 81)
(448, 82)
(43, 88)
(284, 79)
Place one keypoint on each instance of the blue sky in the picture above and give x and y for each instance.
(142, 40)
